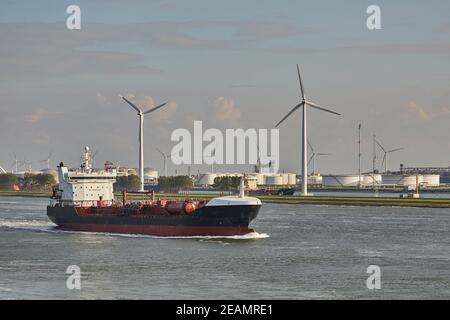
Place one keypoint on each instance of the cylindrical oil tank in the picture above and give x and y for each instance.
(150, 172)
(292, 180)
(332, 180)
(207, 179)
(403, 180)
(189, 207)
(174, 206)
(315, 179)
(260, 179)
(274, 180)
(370, 179)
(252, 182)
(431, 180)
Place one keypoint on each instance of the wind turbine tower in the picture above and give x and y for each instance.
(141, 136)
(165, 157)
(304, 103)
(359, 156)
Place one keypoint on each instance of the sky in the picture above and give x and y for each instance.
(230, 64)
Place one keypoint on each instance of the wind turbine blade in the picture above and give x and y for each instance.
(302, 91)
(290, 112)
(321, 108)
(310, 146)
(155, 108)
(384, 159)
(376, 141)
(131, 104)
(393, 150)
(310, 158)
(160, 152)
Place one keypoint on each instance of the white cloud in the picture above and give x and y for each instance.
(36, 116)
(166, 113)
(417, 112)
(226, 111)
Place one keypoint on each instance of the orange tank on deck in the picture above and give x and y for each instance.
(175, 207)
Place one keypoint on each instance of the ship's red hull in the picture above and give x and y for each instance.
(160, 231)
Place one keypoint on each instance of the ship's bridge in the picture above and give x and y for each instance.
(86, 184)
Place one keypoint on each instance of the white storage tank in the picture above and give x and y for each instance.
(315, 179)
(370, 179)
(207, 179)
(274, 180)
(292, 179)
(132, 172)
(251, 182)
(431, 180)
(260, 179)
(151, 173)
(402, 180)
(331, 180)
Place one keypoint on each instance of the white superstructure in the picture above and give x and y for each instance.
(86, 185)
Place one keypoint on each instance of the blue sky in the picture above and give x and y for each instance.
(59, 87)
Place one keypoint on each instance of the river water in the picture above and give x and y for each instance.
(299, 252)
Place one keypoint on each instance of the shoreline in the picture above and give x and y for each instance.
(310, 200)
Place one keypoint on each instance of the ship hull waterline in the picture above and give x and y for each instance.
(207, 221)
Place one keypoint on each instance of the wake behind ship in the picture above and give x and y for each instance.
(85, 201)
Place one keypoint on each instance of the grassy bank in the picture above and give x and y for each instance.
(313, 200)
(359, 201)
(25, 193)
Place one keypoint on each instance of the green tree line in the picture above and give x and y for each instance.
(129, 183)
(175, 183)
(227, 183)
(41, 182)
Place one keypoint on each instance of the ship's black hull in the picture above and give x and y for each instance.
(206, 221)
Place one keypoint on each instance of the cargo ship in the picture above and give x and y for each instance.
(84, 201)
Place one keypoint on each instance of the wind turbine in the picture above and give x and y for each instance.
(14, 166)
(26, 165)
(314, 155)
(141, 136)
(304, 103)
(47, 160)
(165, 157)
(386, 152)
